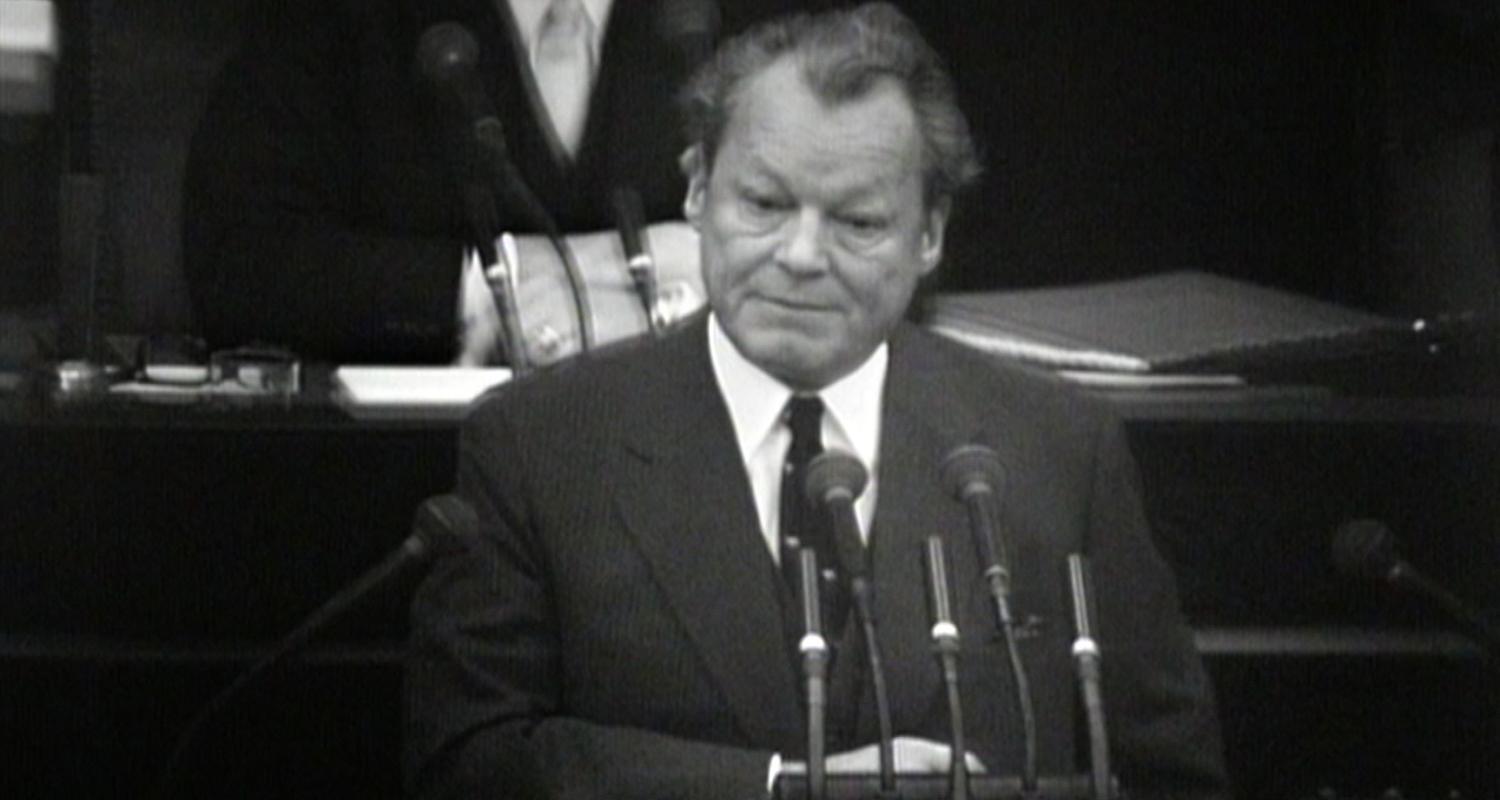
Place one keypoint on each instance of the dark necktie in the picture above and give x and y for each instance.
(802, 523)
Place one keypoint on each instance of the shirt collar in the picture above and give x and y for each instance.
(756, 399)
(528, 16)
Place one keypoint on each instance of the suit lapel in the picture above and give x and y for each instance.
(919, 425)
(684, 496)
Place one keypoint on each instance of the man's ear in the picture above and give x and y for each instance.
(933, 231)
(695, 170)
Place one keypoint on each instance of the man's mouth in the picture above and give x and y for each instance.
(795, 304)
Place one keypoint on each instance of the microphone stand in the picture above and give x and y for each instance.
(814, 650)
(1366, 549)
(997, 577)
(885, 785)
(492, 140)
(833, 480)
(1086, 657)
(447, 58)
(972, 472)
(859, 590)
(443, 524)
(630, 219)
(945, 646)
(499, 273)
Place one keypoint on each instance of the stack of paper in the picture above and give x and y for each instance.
(394, 392)
(1170, 322)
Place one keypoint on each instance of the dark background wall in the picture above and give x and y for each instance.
(1341, 149)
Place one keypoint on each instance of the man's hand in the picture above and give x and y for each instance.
(912, 755)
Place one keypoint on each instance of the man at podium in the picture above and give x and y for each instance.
(621, 627)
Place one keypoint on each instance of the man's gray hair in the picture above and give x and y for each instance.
(842, 54)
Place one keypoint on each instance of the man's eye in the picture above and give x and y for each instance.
(861, 225)
(764, 204)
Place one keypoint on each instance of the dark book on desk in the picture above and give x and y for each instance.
(1184, 321)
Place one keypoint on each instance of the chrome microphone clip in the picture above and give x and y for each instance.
(1086, 657)
(945, 645)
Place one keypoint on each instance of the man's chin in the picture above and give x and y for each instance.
(799, 361)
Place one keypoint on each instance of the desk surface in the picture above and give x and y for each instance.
(1412, 401)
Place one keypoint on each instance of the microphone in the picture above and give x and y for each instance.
(814, 649)
(833, 481)
(1366, 548)
(945, 646)
(1086, 658)
(443, 525)
(972, 474)
(690, 27)
(447, 60)
(631, 220)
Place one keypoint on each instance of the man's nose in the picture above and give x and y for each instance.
(802, 249)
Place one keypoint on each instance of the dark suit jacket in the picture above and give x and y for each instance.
(321, 209)
(616, 630)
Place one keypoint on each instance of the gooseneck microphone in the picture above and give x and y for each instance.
(945, 646)
(447, 60)
(1086, 660)
(443, 524)
(690, 27)
(814, 649)
(1366, 548)
(972, 474)
(834, 480)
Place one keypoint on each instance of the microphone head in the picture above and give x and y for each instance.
(833, 472)
(1365, 548)
(972, 466)
(444, 525)
(695, 22)
(446, 52)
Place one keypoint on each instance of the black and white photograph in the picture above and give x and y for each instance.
(750, 399)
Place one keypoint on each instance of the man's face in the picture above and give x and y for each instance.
(814, 230)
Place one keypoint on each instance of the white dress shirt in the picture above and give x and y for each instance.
(756, 401)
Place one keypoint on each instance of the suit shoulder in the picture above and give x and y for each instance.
(584, 384)
(983, 378)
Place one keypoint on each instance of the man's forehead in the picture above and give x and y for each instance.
(784, 87)
(779, 121)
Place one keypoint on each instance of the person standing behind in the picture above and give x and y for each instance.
(619, 627)
(322, 209)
